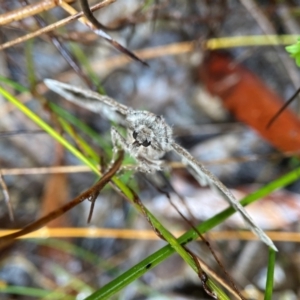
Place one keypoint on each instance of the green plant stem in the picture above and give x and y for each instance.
(125, 190)
(156, 258)
(270, 275)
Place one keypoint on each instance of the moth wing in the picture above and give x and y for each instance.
(90, 100)
(205, 177)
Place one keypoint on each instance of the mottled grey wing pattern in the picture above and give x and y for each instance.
(90, 100)
(205, 177)
(146, 127)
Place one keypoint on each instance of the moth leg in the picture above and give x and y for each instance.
(141, 166)
(146, 165)
(118, 142)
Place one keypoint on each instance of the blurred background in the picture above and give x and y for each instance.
(217, 93)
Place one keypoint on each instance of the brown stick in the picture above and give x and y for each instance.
(28, 11)
(90, 193)
(6, 198)
(53, 26)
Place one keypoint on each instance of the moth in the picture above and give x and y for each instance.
(148, 138)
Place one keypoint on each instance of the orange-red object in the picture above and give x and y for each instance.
(250, 100)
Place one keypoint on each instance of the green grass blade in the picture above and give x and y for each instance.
(76, 251)
(156, 258)
(18, 87)
(36, 119)
(82, 144)
(33, 292)
(270, 275)
(30, 63)
(82, 126)
(124, 189)
(66, 116)
(186, 256)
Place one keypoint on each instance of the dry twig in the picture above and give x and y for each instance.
(6, 197)
(91, 193)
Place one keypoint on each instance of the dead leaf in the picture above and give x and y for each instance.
(275, 211)
(250, 100)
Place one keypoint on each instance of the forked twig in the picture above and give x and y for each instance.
(51, 27)
(97, 27)
(91, 193)
(202, 275)
(89, 15)
(233, 288)
(91, 22)
(62, 49)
